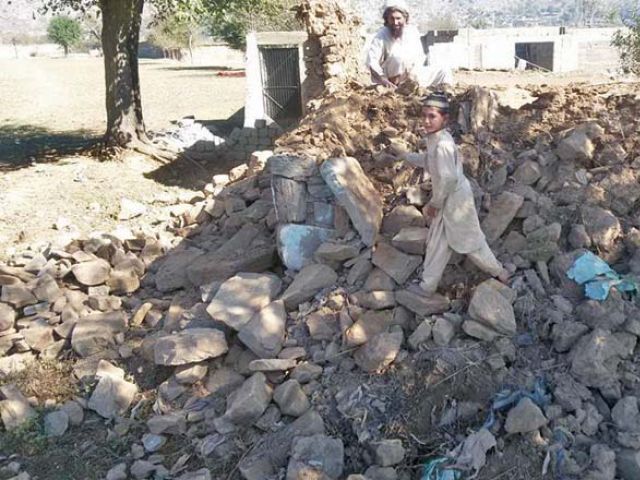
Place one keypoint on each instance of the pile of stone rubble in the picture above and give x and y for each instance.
(276, 307)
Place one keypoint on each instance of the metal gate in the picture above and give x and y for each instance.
(281, 83)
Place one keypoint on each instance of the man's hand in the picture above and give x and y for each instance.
(388, 83)
(430, 212)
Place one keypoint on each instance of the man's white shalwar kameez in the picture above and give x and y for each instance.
(390, 57)
(456, 226)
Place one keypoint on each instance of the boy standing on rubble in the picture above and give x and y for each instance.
(454, 220)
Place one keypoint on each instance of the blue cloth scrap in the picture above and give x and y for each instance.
(434, 470)
(598, 278)
(511, 396)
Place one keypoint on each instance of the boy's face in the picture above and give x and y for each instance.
(433, 119)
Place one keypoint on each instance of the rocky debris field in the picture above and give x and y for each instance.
(269, 328)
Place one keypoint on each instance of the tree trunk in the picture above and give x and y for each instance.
(120, 37)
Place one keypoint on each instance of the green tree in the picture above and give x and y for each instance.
(176, 31)
(120, 37)
(236, 19)
(627, 41)
(64, 31)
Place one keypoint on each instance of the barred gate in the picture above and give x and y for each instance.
(280, 69)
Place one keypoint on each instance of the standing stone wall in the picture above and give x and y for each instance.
(316, 204)
(334, 49)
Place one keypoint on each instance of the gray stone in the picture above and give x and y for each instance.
(478, 330)
(576, 147)
(223, 381)
(264, 333)
(602, 226)
(289, 199)
(172, 273)
(17, 295)
(97, 332)
(525, 417)
(356, 194)
(47, 289)
(420, 335)
(322, 324)
(376, 300)
(389, 452)
(202, 474)
(443, 332)
(595, 359)
(411, 240)
(152, 442)
(416, 196)
(401, 217)
(74, 411)
(297, 244)
(39, 335)
(271, 452)
(379, 281)
(56, 423)
(564, 335)
(528, 172)
(7, 317)
(602, 463)
(422, 305)
(119, 472)
(291, 399)
(15, 410)
(359, 271)
(242, 296)
(189, 346)
(306, 372)
(368, 326)
(112, 396)
(249, 250)
(394, 263)
(503, 210)
(190, 373)
(380, 473)
(272, 364)
(309, 281)
(142, 469)
(490, 307)
(172, 424)
(335, 253)
(578, 237)
(248, 403)
(123, 281)
(628, 464)
(625, 414)
(379, 352)
(317, 456)
(94, 272)
(291, 166)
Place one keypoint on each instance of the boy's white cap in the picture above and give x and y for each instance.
(399, 4)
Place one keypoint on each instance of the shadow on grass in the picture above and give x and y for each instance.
(20, 145)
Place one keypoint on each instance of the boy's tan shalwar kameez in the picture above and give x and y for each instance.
(456, 226)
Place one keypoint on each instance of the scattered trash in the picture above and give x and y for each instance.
(435, 470)
(508, 397)
(472, 453)
(598, 277)
(556, 454)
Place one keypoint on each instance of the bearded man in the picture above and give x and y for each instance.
(396, 53)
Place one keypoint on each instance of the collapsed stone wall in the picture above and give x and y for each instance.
(333, 52)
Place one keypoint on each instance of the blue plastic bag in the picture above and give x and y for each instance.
(434, 470)
(598, 278)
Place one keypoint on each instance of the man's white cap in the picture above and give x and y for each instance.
(399, 4)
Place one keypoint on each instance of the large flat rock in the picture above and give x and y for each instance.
(356, 194)
(189, 346)
(97, 332)
(242, 296)
(307, 283)
(264, 333)
(298, 243)
(503, 210)
(394, 263)
(490, 307)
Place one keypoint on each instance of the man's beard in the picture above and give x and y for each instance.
(396, 31)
